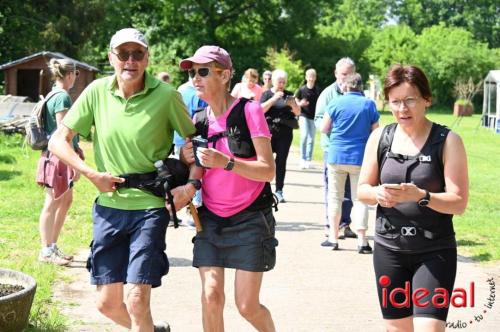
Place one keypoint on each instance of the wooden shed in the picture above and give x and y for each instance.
(30, 76)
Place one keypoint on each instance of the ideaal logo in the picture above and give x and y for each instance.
(439, 298)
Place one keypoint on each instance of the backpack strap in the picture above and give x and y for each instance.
(384, 144)
(41, 115)
(438, 138)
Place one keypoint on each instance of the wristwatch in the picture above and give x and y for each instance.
(425, 201)
(230, 164)
(196, 183)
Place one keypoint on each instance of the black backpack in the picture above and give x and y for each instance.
(438, 137)
(36, 135)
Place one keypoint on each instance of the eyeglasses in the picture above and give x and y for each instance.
(408, 102)
(202, 72)
(137, 55)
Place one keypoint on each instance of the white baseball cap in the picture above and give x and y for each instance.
(128, 35)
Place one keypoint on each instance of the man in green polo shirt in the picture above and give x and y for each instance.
(134, 117)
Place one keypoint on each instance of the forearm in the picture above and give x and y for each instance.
(367, 194)
(448, 203)
(267, 105)
(60, 144)
(254, 169)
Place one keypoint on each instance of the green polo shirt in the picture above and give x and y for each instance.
(130, 134)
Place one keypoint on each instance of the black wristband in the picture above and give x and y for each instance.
(196, 183)
(230, 164)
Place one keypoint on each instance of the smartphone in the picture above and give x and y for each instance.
(392, 186)
(201, 142)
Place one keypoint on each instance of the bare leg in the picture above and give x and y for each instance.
(47, 217)
(399, 325)
(247, 290)
(212, 298)
(62, 210)
(110, 304)
(139, 309)
(426, 324)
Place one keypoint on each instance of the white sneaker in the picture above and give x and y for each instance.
(307, 164)
(53, 259)
(61, 254)
(303, 164)
(279, 196)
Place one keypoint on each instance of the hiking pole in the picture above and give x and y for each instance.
(196, 218)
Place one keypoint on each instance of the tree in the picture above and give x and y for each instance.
(480, 17)
(393, 44)
(284, 60)
(448, 54)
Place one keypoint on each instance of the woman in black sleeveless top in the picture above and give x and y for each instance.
(416, 171)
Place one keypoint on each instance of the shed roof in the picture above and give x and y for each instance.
(48, 54)
(493, 76)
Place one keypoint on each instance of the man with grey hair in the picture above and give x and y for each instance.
(133, 117)
(349, 119)
(343, 67)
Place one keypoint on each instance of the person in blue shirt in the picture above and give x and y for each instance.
(193, 103)
(349, 119)
(343, 68)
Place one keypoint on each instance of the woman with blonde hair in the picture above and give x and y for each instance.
(248, 88)
(53, 174)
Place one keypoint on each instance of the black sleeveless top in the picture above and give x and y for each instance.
(408, 227)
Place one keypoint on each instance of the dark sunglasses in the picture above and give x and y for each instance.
(137, 55)
(202, 72)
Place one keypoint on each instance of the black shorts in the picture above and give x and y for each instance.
(430, 270)
(244, 241)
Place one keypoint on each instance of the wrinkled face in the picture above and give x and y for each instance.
(209, 80)
(342, 72)
(279, 83)
(129, 61)
(407, 104)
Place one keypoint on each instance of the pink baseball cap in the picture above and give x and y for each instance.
(206, 54)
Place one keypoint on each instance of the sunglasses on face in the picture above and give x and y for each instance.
(136, 55)
(202, 72)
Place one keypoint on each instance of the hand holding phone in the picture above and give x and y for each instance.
(395, 186)
(198, 142)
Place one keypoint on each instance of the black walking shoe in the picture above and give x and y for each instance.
(349, 233)
(161, 326)
(327, 243)
(365, 249)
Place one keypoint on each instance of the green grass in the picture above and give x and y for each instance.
(477, 230)
(20, 206)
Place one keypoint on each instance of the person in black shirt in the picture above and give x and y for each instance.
(280, 109)
(306, 98)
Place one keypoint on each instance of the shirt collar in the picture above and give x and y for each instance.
(149, 83)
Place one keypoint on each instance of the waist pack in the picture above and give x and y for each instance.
(170, 174)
